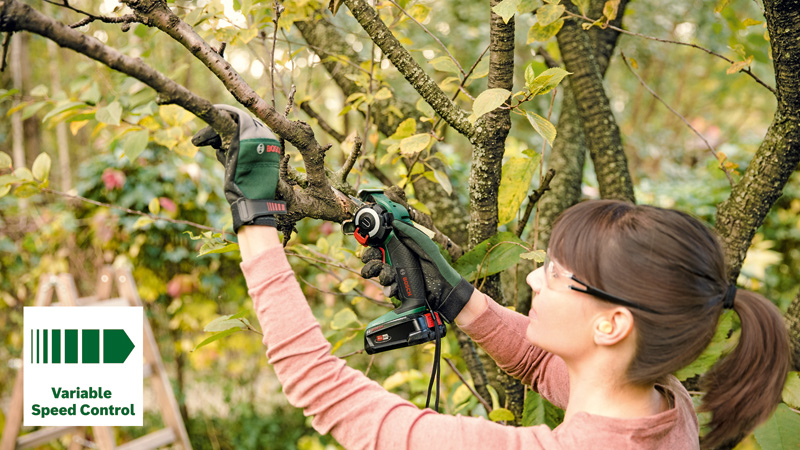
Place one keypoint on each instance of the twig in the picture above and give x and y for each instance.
(463, 83)
(357, 352)
(548, 58)
(358, 291)
(132, 211)
(369, 113)
(471, 389)
(306, 107)
(6, 44)
(668, 41)
(653, 93)
(290, 102)
(278, 11)
(431, 35)
(128, 18)
(541, 177)
(351, 160)
(533, 199)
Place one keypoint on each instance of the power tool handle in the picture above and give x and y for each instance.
(408, 274)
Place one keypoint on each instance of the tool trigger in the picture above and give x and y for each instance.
(361, 239)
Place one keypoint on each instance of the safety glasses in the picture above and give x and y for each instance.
(558, 278)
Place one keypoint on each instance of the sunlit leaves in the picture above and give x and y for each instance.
(506, 9)
(781, 431)
(583, 5)
(488, 101)
(491, 256)
(610, 9)
(535, 255)
(791, 390)
(412, 145)
(740, 65)
(539, 33)
(515, 181)
(5, 161)
(545, 81)
(41, 167)
(212, 243)
(135, 143)
(445, 64)
(538, 411)
(720, 344)
(501, 414)
(542, 126)
(110, 114)
(548, 14)
(345, 318)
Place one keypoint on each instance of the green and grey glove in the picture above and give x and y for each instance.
(447, 291)
(252, 167)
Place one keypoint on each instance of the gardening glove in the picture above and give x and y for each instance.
(251, 169)
(446, 290)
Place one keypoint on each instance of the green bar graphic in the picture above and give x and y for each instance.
(37, 346)
(56, 347)
(44, 346)
(71, 346)
(91, 347)
(32, 341)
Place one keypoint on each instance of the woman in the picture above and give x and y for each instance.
(629, 294)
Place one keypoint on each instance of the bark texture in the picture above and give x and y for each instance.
(793, 325)
(739, 217)
(594, 109)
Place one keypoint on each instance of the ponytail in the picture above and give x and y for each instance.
(744, 387)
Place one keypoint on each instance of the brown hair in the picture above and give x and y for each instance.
(671, 262)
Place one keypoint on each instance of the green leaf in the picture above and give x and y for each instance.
(412, 145)
(5, 161)
(348, 285)
(514, 184)
(109, 115)
(425, 109)
(583, 5)
(781, 431)
(610, 9)
(489, 100)
(536, 255)
(26, 190)
(216, 337)
(217, 247)
(343, 319)
(720, 344)
(39, 91)
(791, 390)
(7, 93)
(526, 6)
(142, 222)
(539, 33)
(542, 126)
(481, 70)
(502, 256)
(23, 173)
(135, 144)
(506, 9)
(32, 109)
(405, 129)
(751, 22)
(501, 414)
(444, 181)
(544, 82)
(383, 94)
(5, 180)
(548, 14)
(4, 190)
(224, 323)
(400, 378)
(154, 206)
(538, 411)
(62, 107)
(444, 64)
(41, 167)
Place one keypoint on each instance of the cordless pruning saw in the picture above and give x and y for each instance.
(412, 322)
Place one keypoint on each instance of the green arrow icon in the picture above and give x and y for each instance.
(116, 346)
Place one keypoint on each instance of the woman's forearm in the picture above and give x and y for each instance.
(254, 239)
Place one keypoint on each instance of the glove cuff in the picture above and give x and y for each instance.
(455, 300)
(255, 212)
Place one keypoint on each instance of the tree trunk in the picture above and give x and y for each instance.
(17, 131)
(739, 217)
(600, 128)
(793, 325)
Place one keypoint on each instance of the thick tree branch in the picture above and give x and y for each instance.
(739, 217)
(17, 16)
(405, 64)
(594, 109)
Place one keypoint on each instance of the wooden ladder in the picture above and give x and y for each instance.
(64, 287)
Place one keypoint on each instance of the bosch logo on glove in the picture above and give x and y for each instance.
(260, 149)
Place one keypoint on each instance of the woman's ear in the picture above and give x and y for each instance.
(613, 326)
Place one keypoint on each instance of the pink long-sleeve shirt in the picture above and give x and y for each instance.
(360, 414)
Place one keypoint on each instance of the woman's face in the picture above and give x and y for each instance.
(560, 318)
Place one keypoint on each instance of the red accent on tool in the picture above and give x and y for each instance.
(361, 239)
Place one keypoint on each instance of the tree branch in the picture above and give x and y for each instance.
(380, 34)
